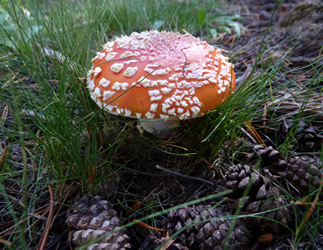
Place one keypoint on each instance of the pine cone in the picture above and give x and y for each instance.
(262, 156)
(238, 177)
(262, 196)
(204, 231)
(310, 140)
(285, 129)
(307, 136)
(304, 172)
(269, 197)
(92, 218)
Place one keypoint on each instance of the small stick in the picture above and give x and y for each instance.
(184, 176)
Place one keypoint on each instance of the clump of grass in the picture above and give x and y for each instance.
(53, 44)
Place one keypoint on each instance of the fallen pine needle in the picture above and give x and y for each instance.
(138, 204)
(142, 224)
(4, 153)
(43, 239)
(5, 242)
(309, 212)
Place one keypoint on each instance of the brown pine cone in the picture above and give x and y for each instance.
(306, 136)
(269, 197)
(91, 218)
(264, 157)
(262, 196)
(238, 177)
(204, 229)
(285, 129)
(304, 172)
(310, 140)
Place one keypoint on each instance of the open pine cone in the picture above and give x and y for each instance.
(310, 140)
(92, 218)
(203, 229)
(307, 138)
(263, 196)
(264, 157)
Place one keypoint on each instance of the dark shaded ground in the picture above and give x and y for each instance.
(301, 30)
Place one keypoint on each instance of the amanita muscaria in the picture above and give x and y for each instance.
(160, 78)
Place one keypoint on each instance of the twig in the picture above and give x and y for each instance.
(44, 236)
(184, 176)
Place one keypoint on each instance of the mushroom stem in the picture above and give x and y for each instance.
(160, 127)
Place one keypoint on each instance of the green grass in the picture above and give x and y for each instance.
(60, 105)
(67, 136)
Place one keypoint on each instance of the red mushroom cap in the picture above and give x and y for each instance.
(159, 75)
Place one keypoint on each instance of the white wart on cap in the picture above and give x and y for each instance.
(160, 76)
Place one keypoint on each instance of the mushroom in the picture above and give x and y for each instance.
(160, 78)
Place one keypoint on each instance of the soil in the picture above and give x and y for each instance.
(295, 28)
